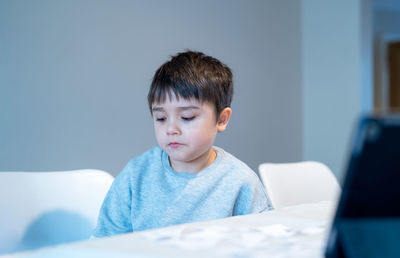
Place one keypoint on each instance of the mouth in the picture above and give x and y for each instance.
(174, 144)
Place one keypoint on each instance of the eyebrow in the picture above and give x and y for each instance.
(161, 109)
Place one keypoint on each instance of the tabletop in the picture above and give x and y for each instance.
(293, 231)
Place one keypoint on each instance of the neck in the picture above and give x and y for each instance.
(197, 165)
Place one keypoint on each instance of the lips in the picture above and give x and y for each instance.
(174, 144)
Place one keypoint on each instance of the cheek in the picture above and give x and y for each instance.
(158, 133)
(203, 136)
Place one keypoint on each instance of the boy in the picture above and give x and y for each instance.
(184, 179)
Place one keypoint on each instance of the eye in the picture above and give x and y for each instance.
(161, 119)
(188, 118)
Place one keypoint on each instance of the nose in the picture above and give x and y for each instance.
(173, 128)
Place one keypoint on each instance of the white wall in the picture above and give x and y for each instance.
(337, 80)
(74, 77)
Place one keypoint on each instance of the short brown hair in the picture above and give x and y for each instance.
(193, 75)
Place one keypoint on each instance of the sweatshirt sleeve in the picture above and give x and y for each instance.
(252, 199)
(115, 213)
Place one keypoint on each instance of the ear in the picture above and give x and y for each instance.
(223, 119)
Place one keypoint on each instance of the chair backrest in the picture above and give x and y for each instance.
(46, 208)
(298, 183)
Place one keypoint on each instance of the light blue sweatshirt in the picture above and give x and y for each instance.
(149, 194)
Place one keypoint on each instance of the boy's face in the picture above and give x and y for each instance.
(185, 130)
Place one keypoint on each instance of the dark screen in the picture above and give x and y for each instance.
(372, 183)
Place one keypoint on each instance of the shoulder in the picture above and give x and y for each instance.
(236, 168)
(252, 197)
(148, 160)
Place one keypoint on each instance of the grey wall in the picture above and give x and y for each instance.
(336, 77)
(387, 21)
(74, 77)
(386, 30)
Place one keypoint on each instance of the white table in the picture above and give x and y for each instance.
(295, 231)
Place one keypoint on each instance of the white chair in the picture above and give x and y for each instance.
(298, 183)
(46, 208)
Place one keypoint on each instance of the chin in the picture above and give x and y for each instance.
(180, 158)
